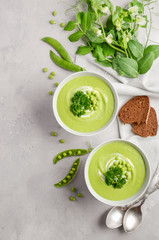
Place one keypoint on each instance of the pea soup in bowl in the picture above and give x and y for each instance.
(85, 103)
(117, 172)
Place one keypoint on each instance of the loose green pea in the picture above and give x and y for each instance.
(62, 24)
(88, 92)
(70, 152)
(91, 108)
(62, 141)
(53, 73)
(72, 198)
(78, 152)
(51, 92)
(80, 195)
(52, 22)
(59, 157)
(51, 77)
(129, 168)
(95, 108)
(127, 174)
(64, 154)
(115, 163)
(123, 162)
(45, 69)
(56, 84)
(54, 13)
(117, 158)
(120, 166)
(73, 189)
(54, 134)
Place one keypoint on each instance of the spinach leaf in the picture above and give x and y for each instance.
(93, 37)
(98, 53)
(79, 17)
(107, 50)
(83, 50)
(136, 48)
(109, 24)
(86, 21)
(146, 62)
(76, 36)
(70, 26)
(116, 67)
(154, 49)
(104, 63)
(128, 66)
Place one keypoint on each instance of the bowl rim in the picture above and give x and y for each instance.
(132, 198)
(71, 77)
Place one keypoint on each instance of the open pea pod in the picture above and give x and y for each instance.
(71, 152)
(70, 175)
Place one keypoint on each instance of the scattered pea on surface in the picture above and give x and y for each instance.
(51, 77)
(62, 141)
(56, 84)
(80, 195)
(54, 13)
(62, 24)
(52, 22)
(72, 198)
(73, 189)
(53, 73)
(54, 134)
(45, 69)
(51, 92)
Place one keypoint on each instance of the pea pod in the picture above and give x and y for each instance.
(70, 175)
(65, 64)
(60, 49)
(71, 152)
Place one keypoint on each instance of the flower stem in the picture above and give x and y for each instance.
(148, 36)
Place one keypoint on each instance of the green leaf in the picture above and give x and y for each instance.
(70, 26)
(136, 48)
(79, 17)
(116, 14)
(109, 24)
(146, 62)
(76, 36)
(104, 63)
(107, 50)
(154, 49)
(116, 67)
(83, 50)
(93, 37)
(128, 66)
(98, 53)
(86, 21)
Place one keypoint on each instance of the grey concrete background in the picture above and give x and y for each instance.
(30, 206)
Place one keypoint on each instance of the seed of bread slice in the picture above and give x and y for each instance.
(149, 128)
(136, 110)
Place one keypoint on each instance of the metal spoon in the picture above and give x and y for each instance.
(115, 216)
(133, 216)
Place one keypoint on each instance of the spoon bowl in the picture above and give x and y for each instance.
(115, 216)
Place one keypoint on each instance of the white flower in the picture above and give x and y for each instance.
(133, 10)
(109, 38)
(98, 32)
(118, 28)
(128, 37)
(140, 20)
(102, 2)
(104, 9)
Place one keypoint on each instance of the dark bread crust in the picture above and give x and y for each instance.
(136, 110)
(149, 128)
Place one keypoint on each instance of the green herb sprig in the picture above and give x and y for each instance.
(113, 177)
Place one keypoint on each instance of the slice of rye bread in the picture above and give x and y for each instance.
(149, 128)
(136, 110)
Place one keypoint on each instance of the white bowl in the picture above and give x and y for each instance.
(62, 84)
(128, 200)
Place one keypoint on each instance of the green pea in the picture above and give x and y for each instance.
(62, 141)
(60, 183)
(64, 180)
(70, 152)
(54, 13)
(51, 77)
(75, 164)
(64, 154)
(56, 84)
(73, 169)
(117, 158)
(95, 108)
(59, 157)
(68, 176)
(79, 152)
(73, 189)
(91, 108)
(71, 172)
(123, 162)
(98, 98)
(128, 165)
(88, 92)
(53, 73)
(51, 92)
(128, 177)
(54, 134)
(80, 195)
(45, 69)
(115, 163)
(52, 22)
(72, 198)
(127, 174)
(62, 24)
(120, 166)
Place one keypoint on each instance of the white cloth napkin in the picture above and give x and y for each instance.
(147, 84)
